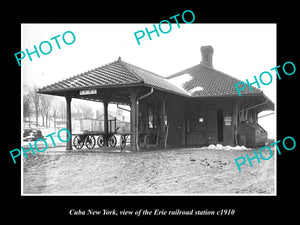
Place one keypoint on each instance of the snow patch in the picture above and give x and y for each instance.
(195, 89)
(227, 147)
(179, 81)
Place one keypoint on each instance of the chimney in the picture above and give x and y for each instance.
(207, 52)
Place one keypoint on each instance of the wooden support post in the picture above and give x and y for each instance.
(133, 120)
(161, 134)
(105, 104)
(235, 124)
(163, 120)
(69, 121)
(183, 125)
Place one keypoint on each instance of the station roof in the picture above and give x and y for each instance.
(115, 74)
(196, 82)
(202, 80)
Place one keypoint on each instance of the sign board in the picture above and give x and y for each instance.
(227, 120)
(88, 92)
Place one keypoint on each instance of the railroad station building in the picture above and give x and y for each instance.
(197, 106)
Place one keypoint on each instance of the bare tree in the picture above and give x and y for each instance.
(57, 107)
(27, 102)
(45, 105)
(35, 97)
(84, 108)
(62, 110)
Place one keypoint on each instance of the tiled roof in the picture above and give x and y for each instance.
(206, 81)
(197, 81)
(117, 73)
(108, 75)
(152, 79)
(202, 80)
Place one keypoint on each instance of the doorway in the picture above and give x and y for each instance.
(220, 120)
(214, 125)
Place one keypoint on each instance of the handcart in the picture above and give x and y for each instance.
(91, 129)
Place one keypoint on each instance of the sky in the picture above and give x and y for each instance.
(240, 50)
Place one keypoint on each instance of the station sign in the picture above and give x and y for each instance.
(88, 92)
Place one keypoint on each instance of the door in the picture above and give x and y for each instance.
(214, 126)
(220, 123)
(211, 126)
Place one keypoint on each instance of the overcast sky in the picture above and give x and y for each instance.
(240, 50)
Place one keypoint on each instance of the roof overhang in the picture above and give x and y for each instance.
(260, 102)
(113, 82)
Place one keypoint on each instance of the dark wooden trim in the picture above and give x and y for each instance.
(133, 119)
(69, 121)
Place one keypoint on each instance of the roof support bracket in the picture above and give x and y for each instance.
(251, 107)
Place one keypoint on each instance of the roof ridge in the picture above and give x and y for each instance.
(181, 71)
(142, 69)
(162, 80)
(123, 63)
(78, 75)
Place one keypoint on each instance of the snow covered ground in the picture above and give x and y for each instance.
(227, 147)
(183, 171)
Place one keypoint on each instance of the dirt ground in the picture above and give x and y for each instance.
(189, 171)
